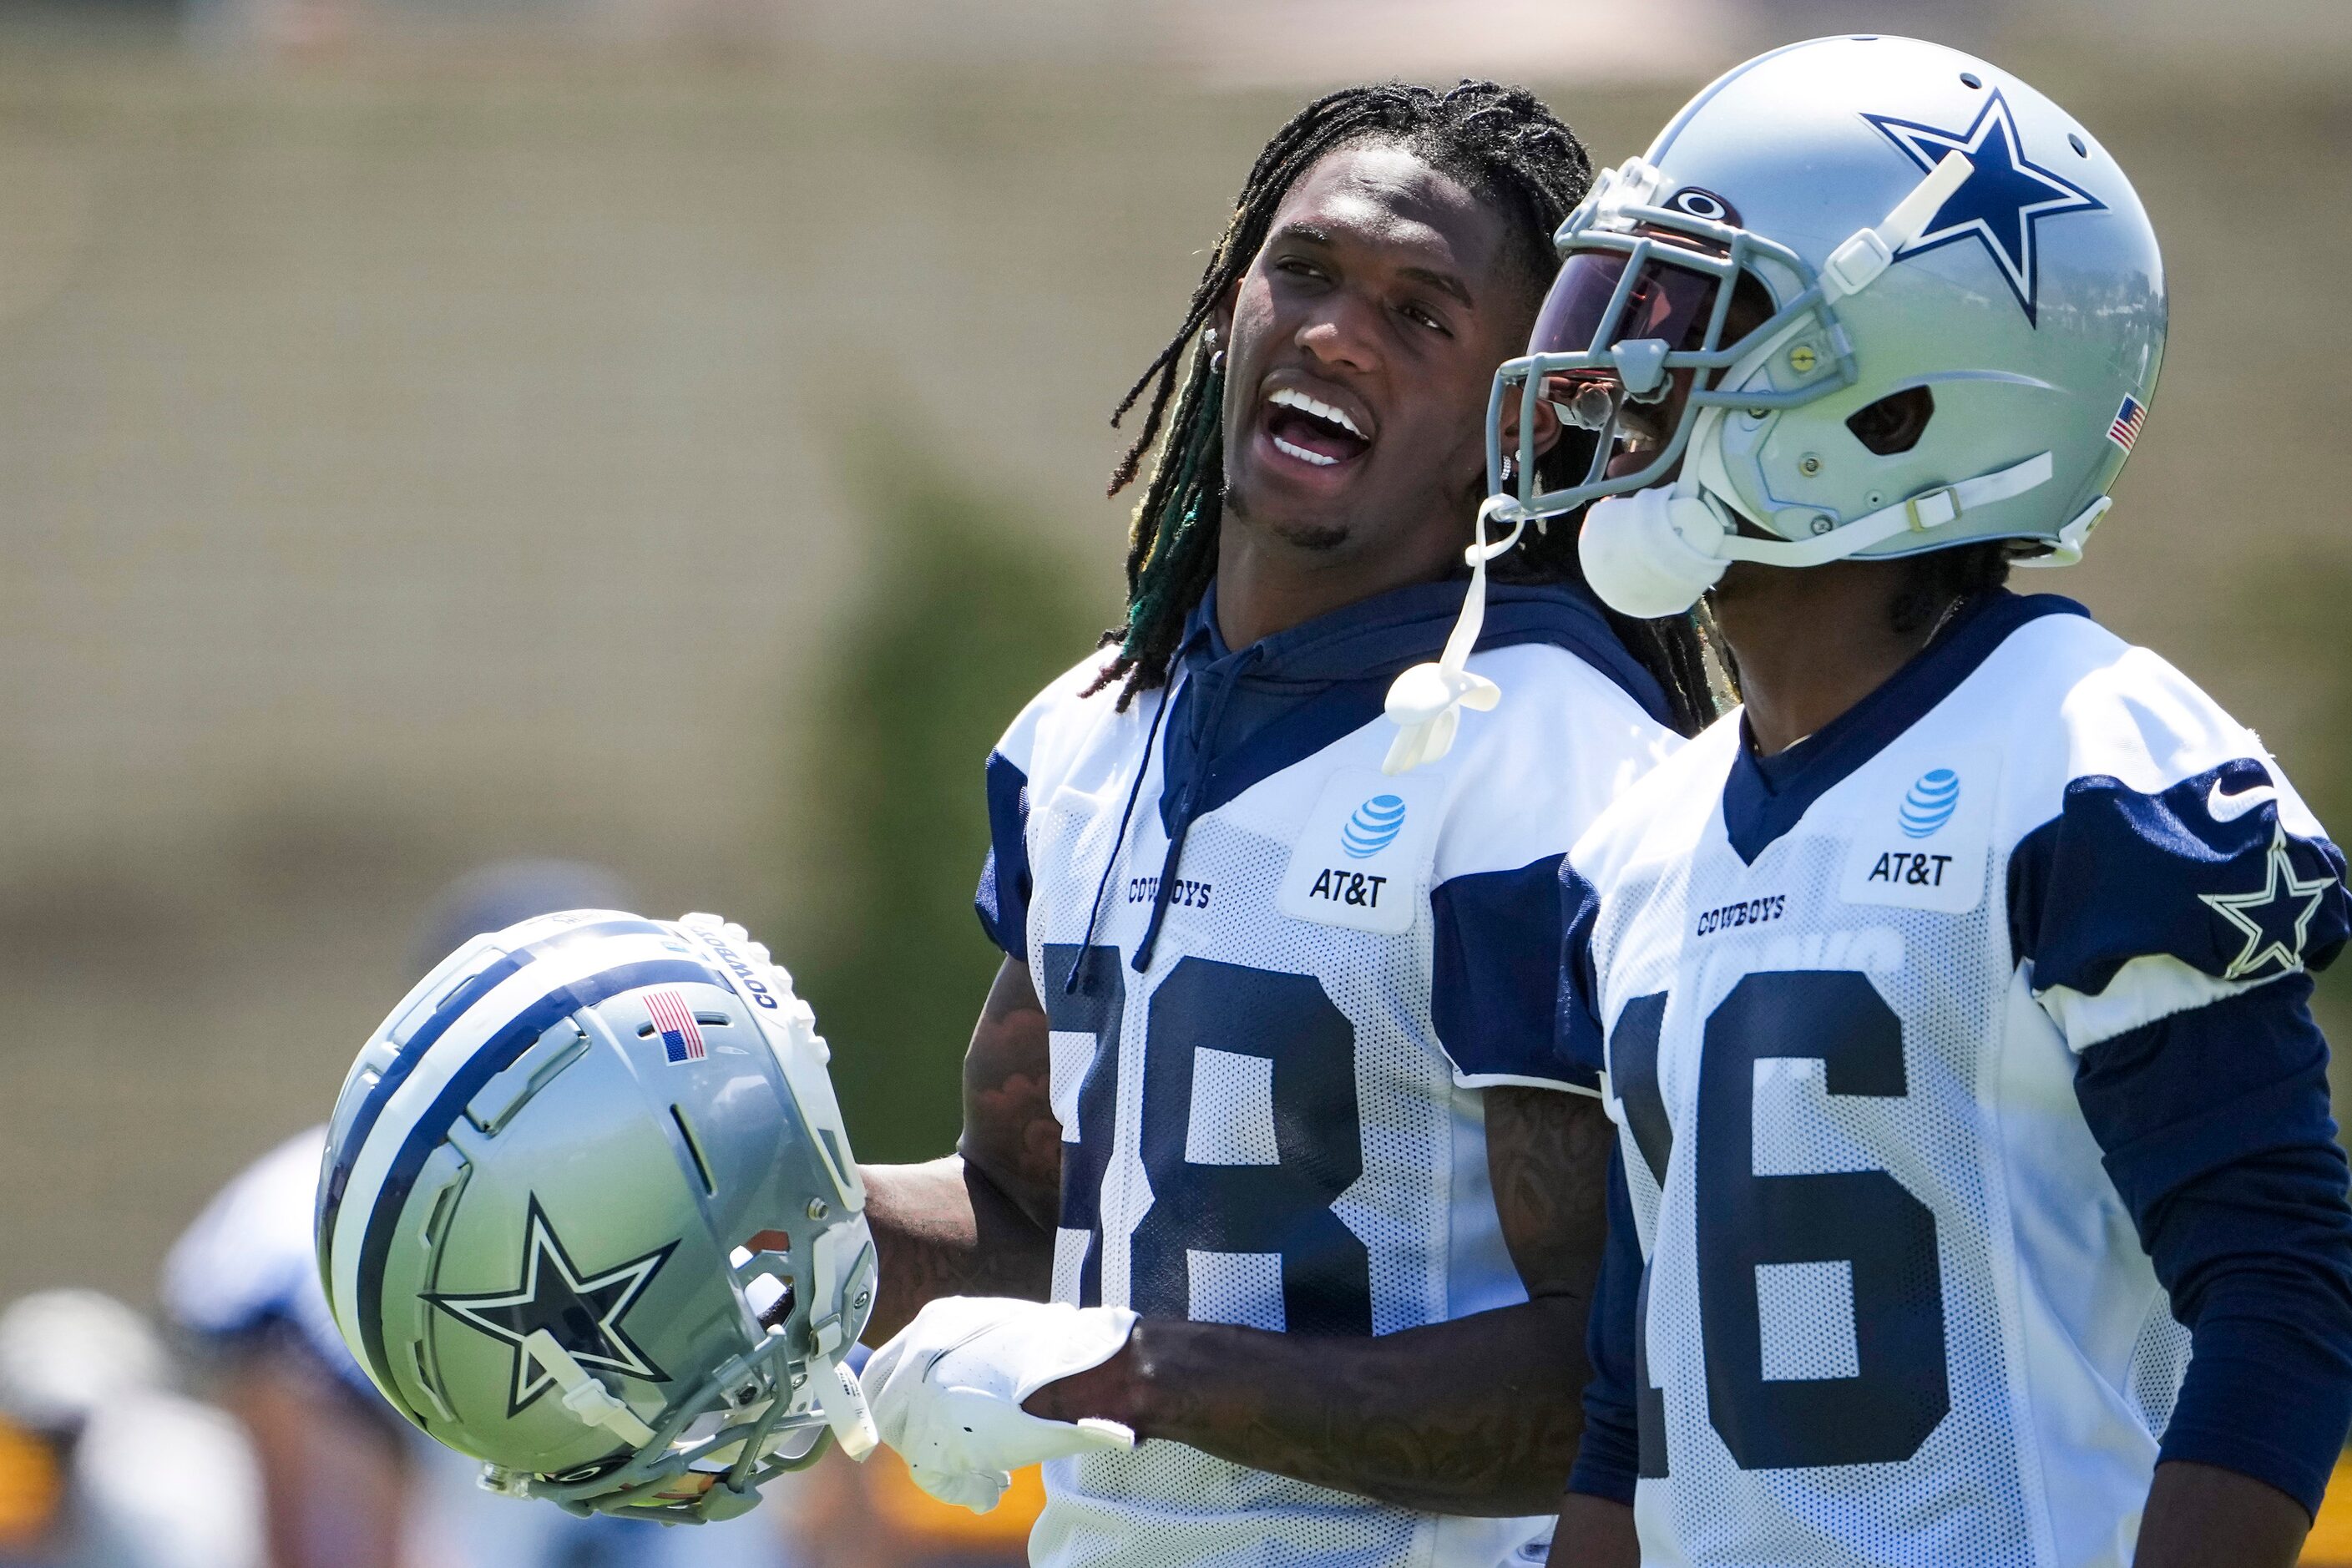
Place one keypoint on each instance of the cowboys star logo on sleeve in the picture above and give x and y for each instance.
(584, 1315)
(2004, 196)
(2275, 918)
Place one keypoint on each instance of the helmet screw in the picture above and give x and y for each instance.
(1801, 358)
(1822, 525)
(1809, 465)
(863, 1297)
(817, 1209)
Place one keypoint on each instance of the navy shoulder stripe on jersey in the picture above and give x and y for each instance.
(1495, 973)
(1576, 1020)
(1001, 899)
(2215, 1129)
(1764, 798)
(2118, 874)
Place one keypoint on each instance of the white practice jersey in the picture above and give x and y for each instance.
(1893, 1309)
(1276, 1120)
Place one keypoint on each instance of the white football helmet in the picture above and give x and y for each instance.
(1864, 296)
(588, 1213)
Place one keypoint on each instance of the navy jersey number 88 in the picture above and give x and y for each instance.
(1282, 1209)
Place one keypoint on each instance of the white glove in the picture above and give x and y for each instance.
(946, 1391)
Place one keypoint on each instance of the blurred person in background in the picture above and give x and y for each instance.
(101, 1464)
(344, 1482)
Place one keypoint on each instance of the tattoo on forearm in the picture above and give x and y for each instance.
(1009, 1127)
(1480, 1415)
(1550, 1172)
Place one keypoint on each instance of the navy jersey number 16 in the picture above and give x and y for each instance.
(1282, 1209)
(1866, 1220)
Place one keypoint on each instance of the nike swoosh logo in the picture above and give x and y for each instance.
(2229, 807)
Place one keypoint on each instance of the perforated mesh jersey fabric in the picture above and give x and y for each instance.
(1816, 1080)
(1165, 1505)
(1939, 974)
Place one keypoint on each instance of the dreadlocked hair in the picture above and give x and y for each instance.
(1503, 143)
(1939, 580)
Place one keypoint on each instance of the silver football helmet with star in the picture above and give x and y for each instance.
(1863, 296)
(588, 1214)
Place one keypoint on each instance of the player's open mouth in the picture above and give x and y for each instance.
(1311, 431)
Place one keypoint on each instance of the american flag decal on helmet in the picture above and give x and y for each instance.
(2125, 429)
(681, 1038)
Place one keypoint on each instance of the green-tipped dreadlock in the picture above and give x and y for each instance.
(1500, 141)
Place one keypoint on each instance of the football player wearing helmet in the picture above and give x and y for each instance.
(1978, 1199)
(1272, 1225)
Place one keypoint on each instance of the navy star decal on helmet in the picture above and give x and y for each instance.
(622, 1275)
(582, 1314)
(2005, 194)
(1877, 218)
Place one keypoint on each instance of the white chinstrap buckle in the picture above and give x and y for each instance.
(1921, 513)
(590, 1402)
(1866, 255)
(1934, 508)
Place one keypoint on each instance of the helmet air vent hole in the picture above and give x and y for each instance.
(713, 1020)
(644, 1031)
(2076, 142)
(1894, 423)
(694, 1149)
(1970, 79)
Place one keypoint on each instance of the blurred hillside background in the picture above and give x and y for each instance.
(670, 433)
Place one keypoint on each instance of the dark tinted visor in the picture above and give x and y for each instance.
(1667, 301)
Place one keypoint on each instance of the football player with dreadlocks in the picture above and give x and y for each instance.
(1273, 1225)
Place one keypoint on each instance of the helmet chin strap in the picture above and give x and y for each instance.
(1923, 513)
(1426, 703)
(1655, 552)
(589, 1401)
(841, 1397)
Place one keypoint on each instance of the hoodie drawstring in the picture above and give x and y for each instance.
(1094, 915)
(1182, 829)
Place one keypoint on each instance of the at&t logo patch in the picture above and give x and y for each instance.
(1360, 856)
(1929, 804)
(1372, 827)
(1924, 845)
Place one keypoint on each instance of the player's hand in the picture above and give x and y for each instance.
(947, 1392)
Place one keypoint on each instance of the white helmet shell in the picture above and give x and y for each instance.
(1923, 222)
(588, 1213)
